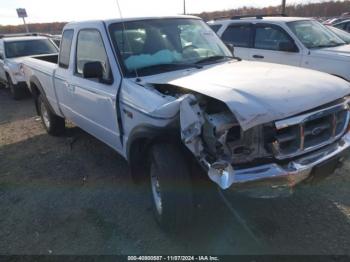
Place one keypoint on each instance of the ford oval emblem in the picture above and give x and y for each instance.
(316, 131)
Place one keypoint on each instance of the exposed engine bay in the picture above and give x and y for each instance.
(212, 133)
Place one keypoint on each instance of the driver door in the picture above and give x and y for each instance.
(91, 102)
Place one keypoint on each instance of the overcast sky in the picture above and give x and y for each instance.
(75, 10)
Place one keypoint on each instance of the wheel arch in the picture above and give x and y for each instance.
(139, 144)
(8, 75)
(36, 90)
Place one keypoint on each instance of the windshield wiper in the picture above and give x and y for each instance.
(330, 45)
(213, 59)
(159, 68)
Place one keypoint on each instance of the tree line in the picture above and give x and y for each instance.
(322, 9)
(51, 28)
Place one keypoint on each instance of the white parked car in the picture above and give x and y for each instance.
(167, 95)
(12, 49)
(292, 41)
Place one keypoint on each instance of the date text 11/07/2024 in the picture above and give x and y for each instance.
(173, 258)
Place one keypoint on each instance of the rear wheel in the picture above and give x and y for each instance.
(53, 124)
(17, 91)
(171, 187)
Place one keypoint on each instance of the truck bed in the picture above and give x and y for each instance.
(47, 58)
(42, 68)
(42, 63)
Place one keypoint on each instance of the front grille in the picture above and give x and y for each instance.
(308, 132)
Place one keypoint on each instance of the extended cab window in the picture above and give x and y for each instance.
(66, 47)
(90, 48)
(238, 35)
(269, 37)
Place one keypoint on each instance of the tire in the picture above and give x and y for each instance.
(53, 124)
(17, 91)
(171, 187)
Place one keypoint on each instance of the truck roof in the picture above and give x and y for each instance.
(283, 19)
(23, 38)
(118, 20)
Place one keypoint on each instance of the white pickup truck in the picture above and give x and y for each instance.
(168, 95)
(12, 49)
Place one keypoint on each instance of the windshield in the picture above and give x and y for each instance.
(29, 47)
(345, 36)
(160, 45)
(314, 35)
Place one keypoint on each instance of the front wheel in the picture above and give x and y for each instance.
(171, 187)
(53, 124)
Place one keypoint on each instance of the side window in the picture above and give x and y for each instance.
(1, 50)
(65, 49)
(215, 28)
(269, 37)
(340, 26)
(90, 48)
(238, 35)
(347, 27)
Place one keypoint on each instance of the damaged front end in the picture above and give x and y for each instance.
(252, 160)
(211, 132)
(246, 161)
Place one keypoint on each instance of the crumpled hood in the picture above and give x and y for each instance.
(259, 93)
(339, 52)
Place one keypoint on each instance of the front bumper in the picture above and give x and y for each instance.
(273, 180)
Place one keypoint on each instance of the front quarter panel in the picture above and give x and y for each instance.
(142, 106)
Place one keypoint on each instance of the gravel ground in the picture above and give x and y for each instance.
(73, 195)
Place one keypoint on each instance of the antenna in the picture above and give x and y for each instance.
(125, 38)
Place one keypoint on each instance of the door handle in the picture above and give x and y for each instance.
(69, 87)
(258, 56)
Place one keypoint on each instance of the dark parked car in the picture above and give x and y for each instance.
(345, 25)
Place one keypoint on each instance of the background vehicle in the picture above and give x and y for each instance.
(333, 21)
(56, 39)
(345, 36)
(344, 25)
(168, 96)
(286, 40)
(12, 49)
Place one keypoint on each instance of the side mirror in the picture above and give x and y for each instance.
(93, 70)
(287, 46)
(231, 48)
(1, 56)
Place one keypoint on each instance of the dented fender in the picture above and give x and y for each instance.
(191, 121)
